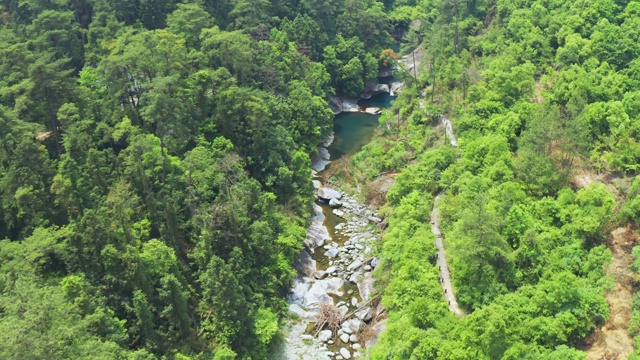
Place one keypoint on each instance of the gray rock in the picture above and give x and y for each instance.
(356, 346)
(320, 274)
(331, 270)
(343, 310)
(328, 193)
(338, 213)
(354, 277)
(365, 286)
(331, 253)
(354, 265)
(375, 262)
(367, 268)
(351, 326)
(317, 233)
(353, 338)
(305, 264)
(344, 338)
(320, 160)
(365, 314)
(320, 290)
(354, 301)
(345, 353)
(335, 203)
(325, 335)
(339, 104)
(374, 219)
(316, 184)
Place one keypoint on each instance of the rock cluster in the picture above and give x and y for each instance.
(349, 254)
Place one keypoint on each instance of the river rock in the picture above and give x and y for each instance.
(343, 310)
(320, 159)
(345, 353)
(351, 326)
(353, 338)
(316, 184)
(354, 277)
(328, 194)
(317, 233)
(301, 313)
(375, 262)
(325, 335)
(374, 219)
(356, 346)
(367, 268)
(305, 264)
(373, 89)
(396, 87)
(354, 265)
(338, 213)
(331, 253)
(365, 314)
(365, 286)
(335, 203)
(339, 104)
(320, 274)
(331, 269)
(344, 338)
(320, 290)
(354, 301)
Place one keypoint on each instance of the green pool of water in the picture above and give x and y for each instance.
(354, 130)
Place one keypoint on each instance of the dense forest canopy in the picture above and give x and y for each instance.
(543, 96)
(154, 167)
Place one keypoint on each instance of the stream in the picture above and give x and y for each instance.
(335, 266)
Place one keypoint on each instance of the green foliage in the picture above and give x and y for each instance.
(533, 90)
(155, 165)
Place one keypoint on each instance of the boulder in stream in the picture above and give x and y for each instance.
(325, 335)
(354, 265)
(320, 274)
(317, 233)
(339, 104)
(320, 290)
(365, 286)
(345, 353)
(365, 314)
(351, 326)
(320, 160)
(344, 338)
(335, 203)
(331, 253)
(327, 194)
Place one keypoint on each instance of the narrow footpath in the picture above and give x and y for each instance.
(445, 276)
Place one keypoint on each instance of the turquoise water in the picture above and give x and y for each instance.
(354, 130)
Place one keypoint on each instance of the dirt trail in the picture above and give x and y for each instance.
(612, 340)
(445, 276)
(443, 266)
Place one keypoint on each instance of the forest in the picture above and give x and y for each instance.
(542, 95)
(154, 167)
(155, 171)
